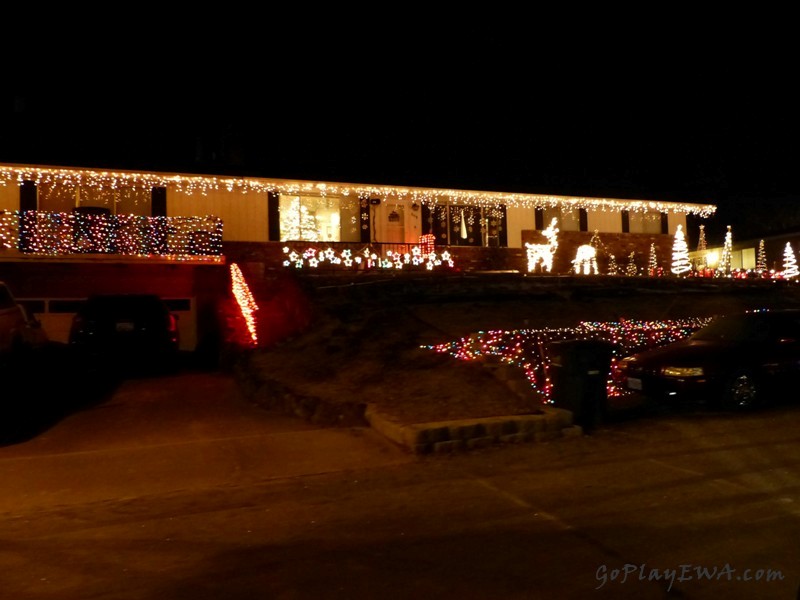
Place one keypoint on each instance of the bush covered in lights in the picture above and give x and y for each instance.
(527, 349)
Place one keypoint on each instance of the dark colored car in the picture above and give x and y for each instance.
(126, 331)
(737, 361)
(18, 330)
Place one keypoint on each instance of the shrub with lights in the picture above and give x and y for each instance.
(527, 348)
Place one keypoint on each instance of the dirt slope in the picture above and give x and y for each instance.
(368, 341)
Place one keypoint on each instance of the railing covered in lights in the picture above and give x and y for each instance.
(373, 256)
(59, 234)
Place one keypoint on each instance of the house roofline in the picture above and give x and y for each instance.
(202, 184)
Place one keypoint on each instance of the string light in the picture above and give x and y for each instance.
(541, 255)
(585, 261)
(680, 253)
(724, 269)
(789, 262)
(367, 259)
(108, 183)
(245, 300)
(58, 233)
(652, 264)
(761, 261)
(427, 242)
(527, 348)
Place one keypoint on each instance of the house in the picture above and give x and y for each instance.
(158, 224)
(767, 256)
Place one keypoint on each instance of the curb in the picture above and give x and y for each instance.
(445, 437)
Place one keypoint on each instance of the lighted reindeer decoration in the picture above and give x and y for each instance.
(541, 255)
(585, 260)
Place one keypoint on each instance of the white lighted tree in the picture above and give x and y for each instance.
(789, 262)
(680, 253)
(702, 246)
(727, 250)
(761, 258)
(613, 268)
(298, 223)
(630, 268)
(652, 262)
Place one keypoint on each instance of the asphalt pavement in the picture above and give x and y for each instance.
(128, 439)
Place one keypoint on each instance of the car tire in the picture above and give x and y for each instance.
(741, 392)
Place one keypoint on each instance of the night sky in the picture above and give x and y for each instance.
(493, 112)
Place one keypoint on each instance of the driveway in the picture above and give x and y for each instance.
(155, 435)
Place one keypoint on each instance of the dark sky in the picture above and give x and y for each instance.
(614, 115)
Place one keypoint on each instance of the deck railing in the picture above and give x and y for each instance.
(83, 232)
(350, 256)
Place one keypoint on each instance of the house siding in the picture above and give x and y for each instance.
(398, 215)
(9, 197)
(244, 214)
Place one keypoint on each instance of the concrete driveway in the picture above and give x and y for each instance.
(155, 435)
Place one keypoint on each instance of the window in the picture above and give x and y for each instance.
(649, 221)
(118, 201)
(461, 225)
(319, 218)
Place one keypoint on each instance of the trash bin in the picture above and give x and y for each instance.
(579, 372)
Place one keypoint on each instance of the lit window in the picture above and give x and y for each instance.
(319, 219)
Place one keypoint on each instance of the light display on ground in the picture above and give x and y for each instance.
(540, 256)
(245, 300)
(368, 258)
(680, 253)
(527, 349)
(585, 261)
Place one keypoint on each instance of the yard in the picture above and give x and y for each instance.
(393, 342)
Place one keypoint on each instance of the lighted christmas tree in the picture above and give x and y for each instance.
(298, 223)
(652, 264)
(631, 269)
(761, 259)
(613, 268)
(789, 262)
(702, 246)
(725, 260)
(680, 253)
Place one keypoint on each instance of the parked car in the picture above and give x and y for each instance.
(126, 331)
(19, 331)
(737, 361)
